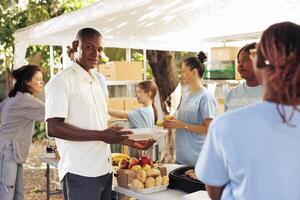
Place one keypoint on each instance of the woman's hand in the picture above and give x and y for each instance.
(173, 124)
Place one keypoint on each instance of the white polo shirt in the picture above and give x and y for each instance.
(76, 95)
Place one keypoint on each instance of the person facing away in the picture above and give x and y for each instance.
(18, 114)
(252, 153)
(76, 115)
(195, 113)
(249, 91)
(145, 116)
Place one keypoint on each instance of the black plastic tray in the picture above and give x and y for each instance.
(178, 180)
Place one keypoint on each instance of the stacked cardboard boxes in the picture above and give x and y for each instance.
(120, 103)
(121, 71)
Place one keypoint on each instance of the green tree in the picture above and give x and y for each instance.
(12, 18)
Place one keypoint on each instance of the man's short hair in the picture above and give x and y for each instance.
(87, 32)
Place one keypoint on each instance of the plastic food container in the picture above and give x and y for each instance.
(178, 180)
(149, 190)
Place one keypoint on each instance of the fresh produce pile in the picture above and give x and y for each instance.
(145, 173)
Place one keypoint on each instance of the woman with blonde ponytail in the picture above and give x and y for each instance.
(145, 116)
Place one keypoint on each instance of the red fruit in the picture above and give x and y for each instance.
(132, 162)
(144, 159)
(123, 164)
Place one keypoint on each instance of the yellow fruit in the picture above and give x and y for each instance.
(137, 184)
(142, 175)
(146, 167)
(119, 155)
(159, 122)
(168, 117)
(153, 172)
(158, 181)
(136, 168)
(165, 180)
(150, 182)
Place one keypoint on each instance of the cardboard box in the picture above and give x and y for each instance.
(131, 103)
(125, 177)
(121, 70)
(116, 103)
(224, 53)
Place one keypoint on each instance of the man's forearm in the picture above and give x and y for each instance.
(62, 130)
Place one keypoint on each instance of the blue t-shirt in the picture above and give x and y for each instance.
(242, 96)
(253, 153)
(142, 117)
(194, 109)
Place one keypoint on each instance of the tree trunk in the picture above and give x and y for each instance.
(166, 79)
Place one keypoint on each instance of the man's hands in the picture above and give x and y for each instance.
(114, 135)
(139, 144)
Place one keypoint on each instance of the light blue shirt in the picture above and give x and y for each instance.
(194, 109)
(242, 96)
(253, 153)
(142, 117)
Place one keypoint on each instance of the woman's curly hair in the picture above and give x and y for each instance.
(279, 54)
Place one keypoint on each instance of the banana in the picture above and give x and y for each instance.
(117, 157)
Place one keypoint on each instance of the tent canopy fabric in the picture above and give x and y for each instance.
(182, 25)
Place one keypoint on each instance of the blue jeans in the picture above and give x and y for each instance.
(11, 176)
(76, 187)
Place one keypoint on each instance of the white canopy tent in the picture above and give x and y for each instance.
(161, 24)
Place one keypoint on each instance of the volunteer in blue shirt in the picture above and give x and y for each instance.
(145, 116)
(195, 113)
(249, 91)
(252, 153)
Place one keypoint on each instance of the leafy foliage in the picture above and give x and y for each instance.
(13, 18)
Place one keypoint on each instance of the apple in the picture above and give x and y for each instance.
(144, 159)
(133, 162)
(146, 167)
(123, 164)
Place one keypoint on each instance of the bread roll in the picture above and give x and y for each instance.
(158, 181)
(150, 182)
(137, 184)
(153, 172)
(165, 180)
(142, 175)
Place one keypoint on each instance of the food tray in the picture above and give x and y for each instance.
(149, 190)
(146, 133)
(180, 181)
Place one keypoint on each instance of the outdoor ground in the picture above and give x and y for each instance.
(34, 175)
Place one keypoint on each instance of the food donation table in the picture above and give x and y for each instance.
(163, 195)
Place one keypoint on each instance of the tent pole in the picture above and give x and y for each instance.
(19, 54)
(51, 61)
(128, 54)
(145, 63)
(64, 57)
